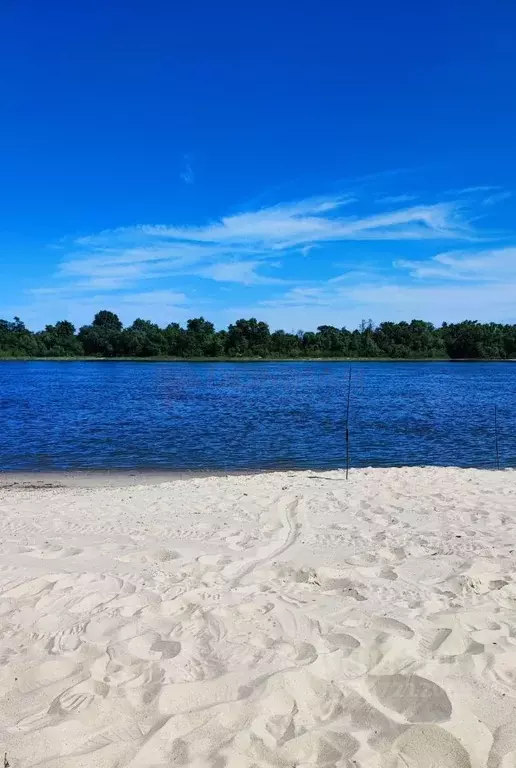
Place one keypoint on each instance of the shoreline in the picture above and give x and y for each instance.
(255, 360)
(120, 478)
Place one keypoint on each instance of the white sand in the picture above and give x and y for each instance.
(289, 619)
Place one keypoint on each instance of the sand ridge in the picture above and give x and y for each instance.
(283, 619)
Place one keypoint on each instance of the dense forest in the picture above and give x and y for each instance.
(106, 337)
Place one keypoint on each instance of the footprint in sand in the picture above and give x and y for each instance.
(66, 640)
(426, 747)
(419, 700)
(301, 653)
(503, 749)
(333, 579)
(169, 649)
(150, 556)
(324, 748)
(448, 642)
(346, 643)
(393, 627)
(78, 698)
(388, 573)
(54, 551)
(502, 669)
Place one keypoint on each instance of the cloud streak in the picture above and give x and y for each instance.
(55, 304)
(244, 272)
(486, 266)
(309, 221)
(232, 248)
(315, 220)
(397, 199)
(347, 305)
(452, 285)
(187, 174)
(498, 197)
(278, 248)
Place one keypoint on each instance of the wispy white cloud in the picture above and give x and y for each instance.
(436, 303)
(316, 221)
(396, 199)
(110, 268)
(452, 286)
(497, 264)
(150, 298)
(162, 306)
(498, 197)
(347, 305)
(115, 261)
(472, 190)
(68, 294)
(301, 296)
(187, 174)
(229, 250)
(354, 275)
(244, 272)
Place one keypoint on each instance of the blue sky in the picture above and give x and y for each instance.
(302, 163)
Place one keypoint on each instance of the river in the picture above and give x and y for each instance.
(231, 416)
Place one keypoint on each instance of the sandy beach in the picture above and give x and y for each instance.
(243, 621)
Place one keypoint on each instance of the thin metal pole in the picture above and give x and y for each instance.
(496, 436)
(347, 424)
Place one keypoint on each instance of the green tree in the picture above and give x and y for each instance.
(311, 344)
(248, 338)
(104, 336)
(16, 340)
(106, 319)
(285, 344)
(199, 337)
(175, 342)
(465, 340)
(59, 340)
(144, 339)
(332, 341)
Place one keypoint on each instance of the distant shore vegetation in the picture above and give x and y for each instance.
(106, 337)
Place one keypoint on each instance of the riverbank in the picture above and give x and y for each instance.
(274, 619)
(224, 359)
(161, 359)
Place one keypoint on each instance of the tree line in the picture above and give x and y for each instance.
(107, 337)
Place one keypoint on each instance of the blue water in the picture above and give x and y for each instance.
(122, 415)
